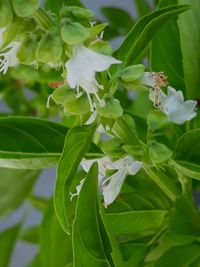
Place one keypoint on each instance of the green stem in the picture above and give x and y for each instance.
(43, 19)
(160, 183)
(186, 185)
(186, 182)
(157, 236)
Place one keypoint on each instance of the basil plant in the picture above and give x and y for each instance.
(120, 125)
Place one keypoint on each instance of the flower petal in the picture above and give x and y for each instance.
(112, 190)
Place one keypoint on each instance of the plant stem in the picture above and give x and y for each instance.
(160, 183)
(43, 19)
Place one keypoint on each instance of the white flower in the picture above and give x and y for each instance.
(8, 57)
(111, 186)
(1, 36)
(78, 189)
(154, 79)
(125, 166)
(104, 164)
(174, 106)
(101, 129)
(81, 70)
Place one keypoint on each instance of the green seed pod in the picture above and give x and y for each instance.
(111, 110)
(61, 94)
(81, 13)
(74, 33)
(158, 152)
(157, 120)
(50, 47)
(27, 51)
(16, 30)
(6, 12)
(101, 47)
(25, 8)
(76, 106)
(132, 73)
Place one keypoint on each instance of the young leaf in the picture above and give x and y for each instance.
(15, 185)
(143, 32)
(77, 143)
(87, 244)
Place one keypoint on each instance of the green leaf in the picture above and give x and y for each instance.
(134, 254)
(166, 50)
(189, 28)
(113, 14)
(25, 9)
(15, 186)
(30, 235)
(180, 256)
(143, 32)
(138, 221)
(56, 6)
(187, 169)
(87, 244)
(30, 143)
(124, 128)
(35, 262)
(77, 143)
(142, 7)
(55, 244)
(188, 147)
(7, 242)
(185, 219)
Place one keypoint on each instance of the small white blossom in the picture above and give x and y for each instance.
(104, 164)
(125, 166)
(81, 70)
(112, 185)
(1, 36)
(174, 106)
(8, 57)
(78, 189)
(154, 79)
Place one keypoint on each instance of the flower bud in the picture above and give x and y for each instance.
(25, 8)
(26, 52)
(132, 73)
(111, 110)
(16, 30)
(61, 94)
(6, 12)
(81, 13)
(74, 33)
(50, 47)
(101, 47)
